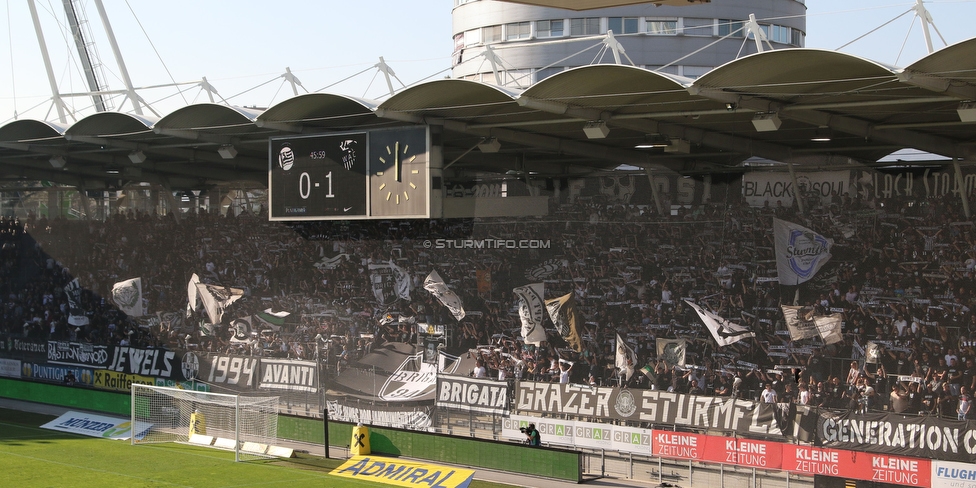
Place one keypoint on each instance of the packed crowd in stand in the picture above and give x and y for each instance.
(902, 275)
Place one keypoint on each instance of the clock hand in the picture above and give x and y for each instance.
(396, 160)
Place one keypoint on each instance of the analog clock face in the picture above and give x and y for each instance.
(398, 173)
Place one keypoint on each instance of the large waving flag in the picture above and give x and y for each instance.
(803, 323)
(217, 298)
(192, 294)
(532, 311)
(723, 331)
(127, 295)
(401, 281)
(562, 311)
(800, 252)
(626, 358)
(436, 286)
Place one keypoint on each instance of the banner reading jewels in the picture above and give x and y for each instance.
(472, 395)
(656, 407)
(921, 437)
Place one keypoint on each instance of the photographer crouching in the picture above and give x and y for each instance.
(532, 437)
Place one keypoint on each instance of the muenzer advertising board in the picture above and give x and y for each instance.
(651, 406)
(472, 394)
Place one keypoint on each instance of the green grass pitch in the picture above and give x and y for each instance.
(35, 457)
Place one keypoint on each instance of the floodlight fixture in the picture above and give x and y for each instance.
(596, 129)
(766, 122)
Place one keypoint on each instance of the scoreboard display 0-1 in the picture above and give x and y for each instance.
(347, 176)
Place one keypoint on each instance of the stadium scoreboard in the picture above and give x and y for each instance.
(376, 174)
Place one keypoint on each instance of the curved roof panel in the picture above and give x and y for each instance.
(320, 110)
(28, 130)
(208, 116)
(106, 124)
(453, 98)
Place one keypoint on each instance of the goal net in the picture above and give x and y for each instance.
(246, 425)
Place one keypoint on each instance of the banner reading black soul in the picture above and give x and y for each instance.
(651, 406)
(472, 395)
(921, 437)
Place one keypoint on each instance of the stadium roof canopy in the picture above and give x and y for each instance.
(775, 105)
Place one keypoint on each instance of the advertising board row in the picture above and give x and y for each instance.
(766, 455)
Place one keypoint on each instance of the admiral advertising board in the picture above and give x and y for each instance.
(472, 394)
(651, 406)
(284, 374)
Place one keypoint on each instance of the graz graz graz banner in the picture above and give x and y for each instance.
(472, 395)
(922, 437)
(651, 406)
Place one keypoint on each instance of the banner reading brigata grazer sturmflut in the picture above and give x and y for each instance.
(472, 394)
(650, 406)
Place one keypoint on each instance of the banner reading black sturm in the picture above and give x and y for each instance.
(650, 406)
(921, 437)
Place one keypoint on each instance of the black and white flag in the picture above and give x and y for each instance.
(562, 311)
(800, 252)
(127, 295)
(626, 358)
(401, 281)
(436, 286)
(76, 316)
(723, 331)
(532, 311)
(217, 298)
(672, 351)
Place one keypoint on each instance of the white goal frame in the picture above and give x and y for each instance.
(247, 425)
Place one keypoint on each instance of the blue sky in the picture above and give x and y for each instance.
(244, 46)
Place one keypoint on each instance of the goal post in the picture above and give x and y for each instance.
(246, 425)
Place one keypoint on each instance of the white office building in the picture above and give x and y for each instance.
(516, 45)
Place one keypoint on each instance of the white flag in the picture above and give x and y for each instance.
(802, 324)
(127, 295)
(799, 321)
(723, 331)
(829, 327)
(401, 281)
(216, 298)
(436, 286)
(532, 311)
(800, 252)
(192, 294)
(626, 358)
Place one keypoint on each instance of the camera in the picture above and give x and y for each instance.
(523, 430)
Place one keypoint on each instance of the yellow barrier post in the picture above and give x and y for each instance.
(359, 444)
